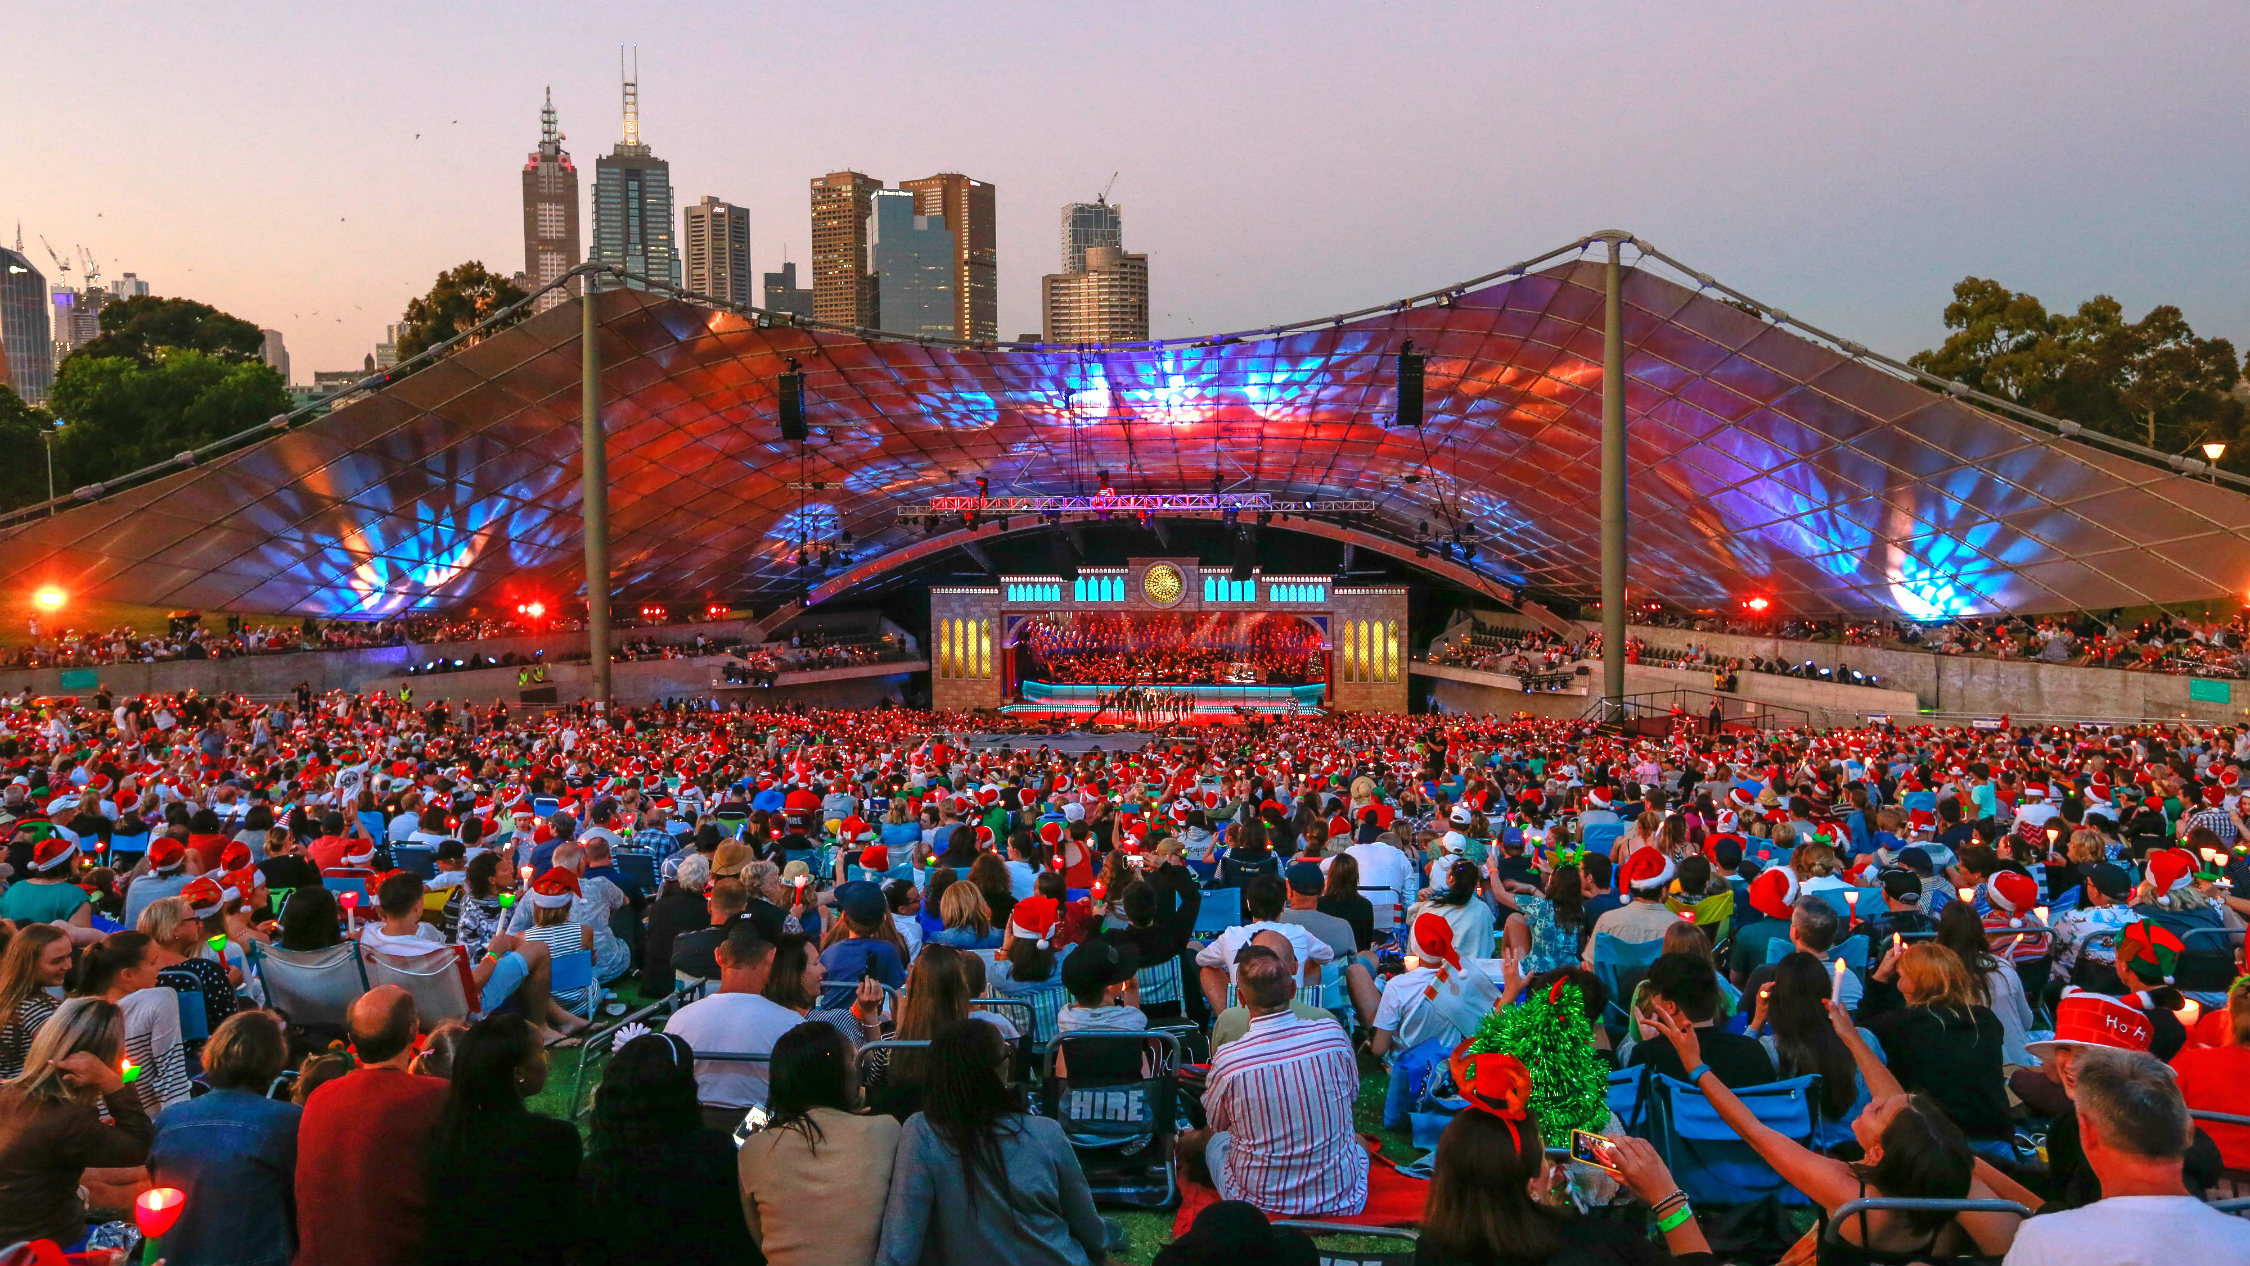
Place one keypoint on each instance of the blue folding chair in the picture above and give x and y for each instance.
(419, 859)
(341, 885)
(1708, 1158)
(124, 849)
(1601, 837)
(1852, 949)
(195, 1021)
(1221, 909)
(373, 822)
(545, 806)
(1619, 965)
(639, 870)
(1160, 983)
(1851, 904)
(570, 979)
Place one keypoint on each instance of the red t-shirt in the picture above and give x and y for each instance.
(327, 852)
(2217, 1079)
(360, 1149)
(209, 848)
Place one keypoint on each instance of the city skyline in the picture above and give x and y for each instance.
(2088, 152)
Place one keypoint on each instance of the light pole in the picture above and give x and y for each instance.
(49, 436)
(2213, 450)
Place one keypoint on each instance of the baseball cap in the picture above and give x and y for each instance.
(2110, 880)
(1305, 878)
(1902, 885)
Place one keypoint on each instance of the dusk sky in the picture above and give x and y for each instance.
(1277, 161)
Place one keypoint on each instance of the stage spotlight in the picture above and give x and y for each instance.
(48, 598)
(1245, 557)
(984, 486)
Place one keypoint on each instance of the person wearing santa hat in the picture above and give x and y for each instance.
(1646, 874)
(165, 875)
(1772, 898)
(48, 891)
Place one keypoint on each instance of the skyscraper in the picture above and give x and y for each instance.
(633, 201)
(275, 354)
(717, 238)
(782, 294)
(550, 212)
(967, 206)
(1107, 302)
(1087, 224)
(911, 255)
(27, 358)
(1101, 295)
(129, 286)
(843, 289)
(386, 352)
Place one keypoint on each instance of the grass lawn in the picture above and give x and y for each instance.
(1145, 1232)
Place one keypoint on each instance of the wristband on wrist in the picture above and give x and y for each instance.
(1677, 1197)
(1675, 1219)
(1695, 1074)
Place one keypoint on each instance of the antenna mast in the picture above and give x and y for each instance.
(632, 96)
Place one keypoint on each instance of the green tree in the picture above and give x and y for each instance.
(144, 327)
(461, 297)
(2152, 381)
(23, 451)
(120, 414)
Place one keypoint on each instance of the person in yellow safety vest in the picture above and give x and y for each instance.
(406, 694)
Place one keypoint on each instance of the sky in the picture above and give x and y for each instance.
(312, 166)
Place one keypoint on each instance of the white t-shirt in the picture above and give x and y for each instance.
(374, 940)
(1221, 952)
(1384, 866)
(2132, 1231)
(734, 1024)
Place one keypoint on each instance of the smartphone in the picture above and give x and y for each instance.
(1595, 1150)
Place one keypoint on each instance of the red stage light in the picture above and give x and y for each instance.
(1757, 604)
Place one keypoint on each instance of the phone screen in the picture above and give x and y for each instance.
(1594, 1150)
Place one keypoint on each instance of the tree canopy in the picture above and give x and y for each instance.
(23, 451)
(121, 414)
(2152, 381)
(144, 327)
(461, 297)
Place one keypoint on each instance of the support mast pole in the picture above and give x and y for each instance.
(594, 497)
(1613, 480)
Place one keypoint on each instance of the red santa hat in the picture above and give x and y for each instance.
(2171, 869)
(1774, 892)
(204, 897)
(52, 854)
(2012, 891)
(555, 889)
(1648, 869)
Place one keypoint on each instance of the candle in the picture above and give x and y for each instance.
(156, 1210)
(1851, 900)
(351, 910)
(2040, 912)
(128, 1071)
(2190, 1011)
(1836, 991)
(1967, 894)
(1413, 962)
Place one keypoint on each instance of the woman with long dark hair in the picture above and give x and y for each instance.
(1247, 853)
(1909, 1147)
(1938, 1039)
(1996, 982)
(494, 1167)
(814, 1181)
(657, 1185)
(1489, 1203)
(1341, 899)
(310, 920)
(978, 1180)
(1792, 1011)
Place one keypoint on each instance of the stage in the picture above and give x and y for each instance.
(1168, 640)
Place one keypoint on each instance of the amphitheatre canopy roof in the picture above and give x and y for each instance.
(1763, 460)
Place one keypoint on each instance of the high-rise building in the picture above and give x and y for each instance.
(783, 296)
(550, 212)
(717, 241)
(911, 255)
(274, 354)
(77, 317)
(27, 358)
(967, 207)
(633, 202)
(386, 352)
(843, 288)
(1089, 224)
(129, 286)
(1106, 302)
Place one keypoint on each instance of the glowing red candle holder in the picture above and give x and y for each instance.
(157, 1209)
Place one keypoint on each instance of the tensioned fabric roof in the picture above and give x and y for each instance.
(1761, 461)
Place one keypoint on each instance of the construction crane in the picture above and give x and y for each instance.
(93, 269)
(1103, 196)
(62, 266)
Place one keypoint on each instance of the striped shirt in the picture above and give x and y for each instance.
(1285, 1091)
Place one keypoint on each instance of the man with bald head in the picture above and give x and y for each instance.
(1235, 1020)
(360, 1194)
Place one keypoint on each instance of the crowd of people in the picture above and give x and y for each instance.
(2165, 644)
(188, 639)
(1171, 649)
(2004, 962)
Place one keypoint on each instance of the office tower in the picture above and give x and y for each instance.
(633, 202)
(27, 358)
(1089, 224)
(129, 286)
(717, 244)
(783, 296)
(967, 208)
(77, 317)
(273, 353)
(550, 212)
(911, 255)
(843, 289)
(386, 352)
(1106, 302)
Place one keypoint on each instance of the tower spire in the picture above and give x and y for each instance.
(549, 141)
(632, 95)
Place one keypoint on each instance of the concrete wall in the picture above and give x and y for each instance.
(1825, 703)
(647, 681)
(1960, 685)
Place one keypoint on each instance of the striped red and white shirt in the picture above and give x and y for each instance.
(1284, 1090)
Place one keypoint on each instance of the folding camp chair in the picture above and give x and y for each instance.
(1852, 949)
(310, 987)
(573, 973)
(1385, 902)
(1619, 965)
(2207, 963)
(640, 872)
(195, 1021)
(441, 909)
(1021, 1015)
(374, 824)
(1159, 982)
(1317, 1231)
(417, 859)
(1832, 1228)
(1601, 837)
(1221, 909)
(440, 982)
(341, 885)
(726, 1116)
(1115, 1096)
(124, 850)
(1742, 1197)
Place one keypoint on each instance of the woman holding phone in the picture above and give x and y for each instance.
(1910, 1149)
